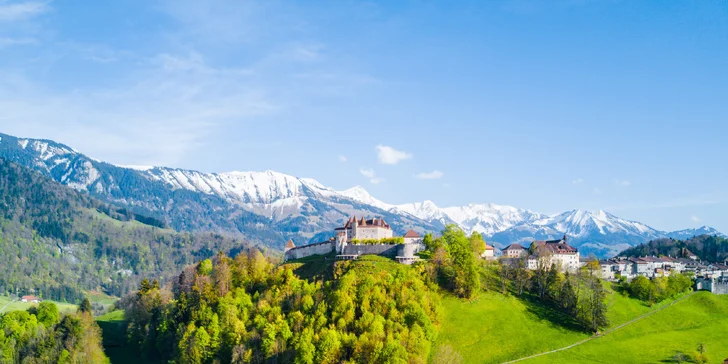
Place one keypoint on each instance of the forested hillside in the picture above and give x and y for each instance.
(57, 242)
(42, 335)
(245, 310)
(710, 248)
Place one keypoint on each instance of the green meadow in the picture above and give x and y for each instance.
(701, 318)
(495, 328)
(8, 304)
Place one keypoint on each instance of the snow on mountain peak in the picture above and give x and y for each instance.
(359, 194)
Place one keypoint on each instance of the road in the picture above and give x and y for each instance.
(605, 333)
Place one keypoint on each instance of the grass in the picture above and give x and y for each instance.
(10, 304)
(313, 268)
(495, 328)
(113, 328)
(701, 318)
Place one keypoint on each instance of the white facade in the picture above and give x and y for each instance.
(515, 252)
(373, 232)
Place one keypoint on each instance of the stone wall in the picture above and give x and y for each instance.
(387, 250)
(720, 288)
(309, 250)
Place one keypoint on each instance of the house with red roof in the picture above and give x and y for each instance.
(31, 299)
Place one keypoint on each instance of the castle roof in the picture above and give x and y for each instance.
(488, 247)
(375, 222)
(412, 234)
(290, 244)
(514, 246)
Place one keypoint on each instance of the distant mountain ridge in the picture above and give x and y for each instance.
(271, 207)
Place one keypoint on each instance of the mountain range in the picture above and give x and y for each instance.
(271, 207)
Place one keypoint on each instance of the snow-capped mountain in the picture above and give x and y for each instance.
(271, 207)
(689, 233)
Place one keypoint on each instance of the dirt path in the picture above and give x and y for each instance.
(605, 332)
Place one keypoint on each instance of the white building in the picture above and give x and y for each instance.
(558, 253)
(515, 251)
(363, 229)
(414, 239)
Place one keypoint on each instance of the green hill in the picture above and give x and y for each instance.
(495, 328)
(701, 318)
(59, 243)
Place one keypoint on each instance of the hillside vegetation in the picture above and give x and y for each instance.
(246, 310)
(43, 335)
(57, 243)
(708, 248)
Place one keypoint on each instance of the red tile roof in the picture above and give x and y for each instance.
(412, 234)
(488, 247)
(290, 244)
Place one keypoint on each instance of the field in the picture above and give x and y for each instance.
(701, 318)
(495, 328)
(8, 304)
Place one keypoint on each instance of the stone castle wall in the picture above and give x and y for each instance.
(720, 288)
(309, 250)
(385, 250)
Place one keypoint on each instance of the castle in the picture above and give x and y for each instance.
(362, 237)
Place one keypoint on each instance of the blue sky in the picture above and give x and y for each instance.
(545, 105)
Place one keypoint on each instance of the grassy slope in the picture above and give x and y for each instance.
(702, 318)
(22, 306)
(496, 328)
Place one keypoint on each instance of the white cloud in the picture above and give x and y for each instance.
(695, 218)
(622, 182)
(389, 155)
(343, 159)
(7, 42)
(157, 116)
(430, 175)
(597, 190)
(369, 173)
(578, 181)
(22, 10)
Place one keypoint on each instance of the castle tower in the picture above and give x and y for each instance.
(289, 246)
(341, 242)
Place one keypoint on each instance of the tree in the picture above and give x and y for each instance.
(521, 276)
(48, 314)
(85, 306)
(463, 264)
(477, 243)
(679, 357)
(598, 306)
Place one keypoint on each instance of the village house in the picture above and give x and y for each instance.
(554, 253)
(515, 251)
(347, 243)
(31, 299)
(489, 253)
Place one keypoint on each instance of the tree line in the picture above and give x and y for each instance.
(43, 335)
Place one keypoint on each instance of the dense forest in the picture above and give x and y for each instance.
(42, 335)
(57, 243)
(708, 248)
(247, 309)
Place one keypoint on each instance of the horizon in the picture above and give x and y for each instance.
(592, 105)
